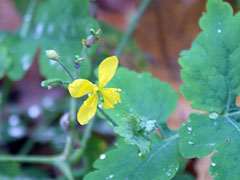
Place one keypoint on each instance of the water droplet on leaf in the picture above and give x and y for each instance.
(213, 115)
(102, 156)
(213, 164)
(189, 128)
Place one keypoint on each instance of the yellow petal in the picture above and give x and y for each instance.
(106, 70)
(110, 97)
(80, 87)
(88, 109)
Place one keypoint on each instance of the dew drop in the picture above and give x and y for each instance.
(102, 156)
(219, 30)
(189, 128)
(213, 164)
(140, 154)
(212, 144)
(213, 115)
(168, 173)
(139, 75)
(190, 142)
(111, 176)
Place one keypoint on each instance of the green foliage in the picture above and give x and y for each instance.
(183, 177)
(123, 163)
(142, 95)
(211, 81)
(137, 131)
(61, 29)
(146, 108)
(5, 61)
(18, 55)
(150, 106)
(9, 169)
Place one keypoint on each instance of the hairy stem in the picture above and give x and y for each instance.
(131, 27)
(67, 71)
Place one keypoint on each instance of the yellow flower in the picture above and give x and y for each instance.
(81, 87)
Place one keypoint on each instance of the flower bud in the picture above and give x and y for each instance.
(52, 54)
(95, 33)
(90, 41)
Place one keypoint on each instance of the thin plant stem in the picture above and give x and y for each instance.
(78, 73)
(82, 54)
(67, 71)
(27, 19)
(131, 27)
(232, 114)
(27, 146)
(39, 159)
(77, 154)
(30, 159)
(107, 116)
(66, 169)
(67, 148)
(73, 130)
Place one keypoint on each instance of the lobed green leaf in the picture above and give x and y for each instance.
(123, 162)
(211, 71)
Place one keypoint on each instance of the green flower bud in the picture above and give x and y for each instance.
(52, 54)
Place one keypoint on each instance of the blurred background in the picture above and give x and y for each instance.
(166, 28)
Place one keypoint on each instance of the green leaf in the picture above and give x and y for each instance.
(9, 169)
(143, 95)
(211, 72)
(62, 29)
(138, 132)
(123, 162)
(202, 135)
(20, 54)
(5, 61)
(211, 67)
(148, 103)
